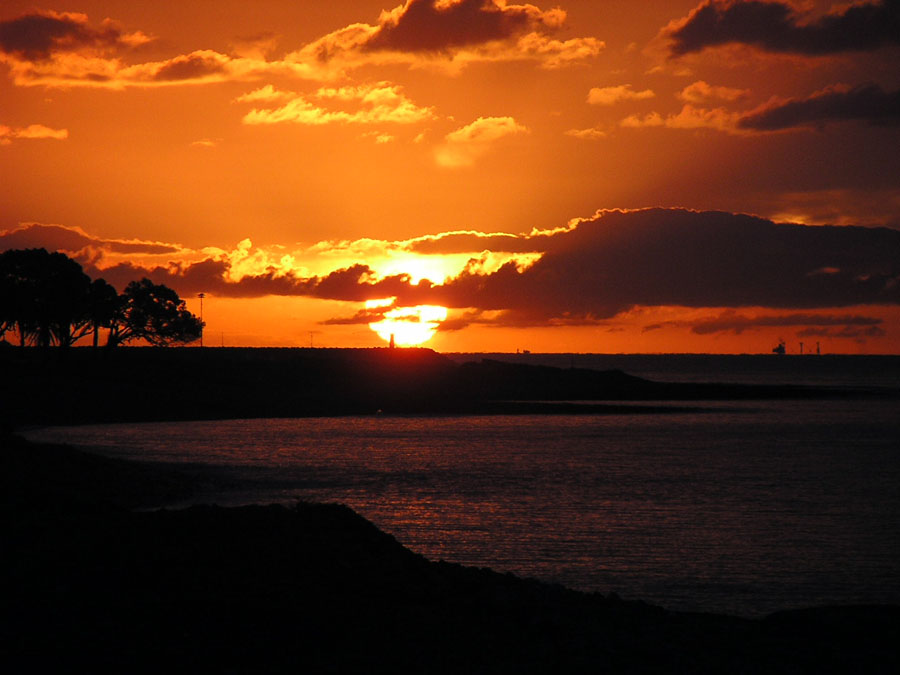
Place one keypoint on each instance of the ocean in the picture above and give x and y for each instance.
(735, 507)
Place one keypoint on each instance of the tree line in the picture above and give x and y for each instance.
(47, 299)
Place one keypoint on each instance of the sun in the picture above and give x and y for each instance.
(407, 326)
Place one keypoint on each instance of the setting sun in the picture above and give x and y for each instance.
(410, 326)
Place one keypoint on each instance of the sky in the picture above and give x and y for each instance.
(599, 176)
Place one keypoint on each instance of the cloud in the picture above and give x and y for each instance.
(196, 66)
(734, 322)
(376, 103)
(362, 317)
(8, 134)
(652, 119)
(255, 46)
(435, 26)
(206, 143)
(701, 92)
(868, 103)
(471, 241)
(74, 240)
(266, 94)
(619, 260)
(777, 26)
(62, 49)
(584, 274)
(591, 134)
(617, 94)
(838, 103)
(689, 117)
(464, 146)
(450, 34)
(379, 137)
(870, 207)
(852, 332)
(59, 49)
(39, 35)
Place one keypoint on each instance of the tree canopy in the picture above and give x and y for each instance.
(155, 313)
(48, 300)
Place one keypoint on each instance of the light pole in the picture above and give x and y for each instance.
(201, 296)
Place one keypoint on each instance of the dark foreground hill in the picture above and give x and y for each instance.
(143, 384)
(90, 586)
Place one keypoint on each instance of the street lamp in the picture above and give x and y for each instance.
(201, 296)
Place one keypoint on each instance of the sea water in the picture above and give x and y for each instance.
(743, 508)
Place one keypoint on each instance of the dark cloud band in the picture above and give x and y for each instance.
(868, 103)
(608, 264)
(775, 26)
(424, 25)
(34, 37)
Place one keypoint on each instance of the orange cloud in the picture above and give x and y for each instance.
(464, 146)
(689, 117)
(449, 34)
(701, 92)
(266, 94)
(617, 94)
(64, 50)
(591, 134)
(377, 103)
(8, 134)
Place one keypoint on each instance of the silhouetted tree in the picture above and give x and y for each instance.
(8, 316)
(154, 313)
(44, 296)
(103, 306)
(48, 299)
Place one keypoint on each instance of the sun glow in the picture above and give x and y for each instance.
(435, 268)
(408, 325)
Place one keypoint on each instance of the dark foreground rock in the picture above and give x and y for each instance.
(90, 586)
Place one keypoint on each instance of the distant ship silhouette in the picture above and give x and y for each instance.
(779, 348)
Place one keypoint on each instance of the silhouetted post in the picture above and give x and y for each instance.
(392, 341)
(201, 296)
(801, 349)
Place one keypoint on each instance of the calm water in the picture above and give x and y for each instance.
(760, 507)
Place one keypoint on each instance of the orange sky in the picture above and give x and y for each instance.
(549, 173)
